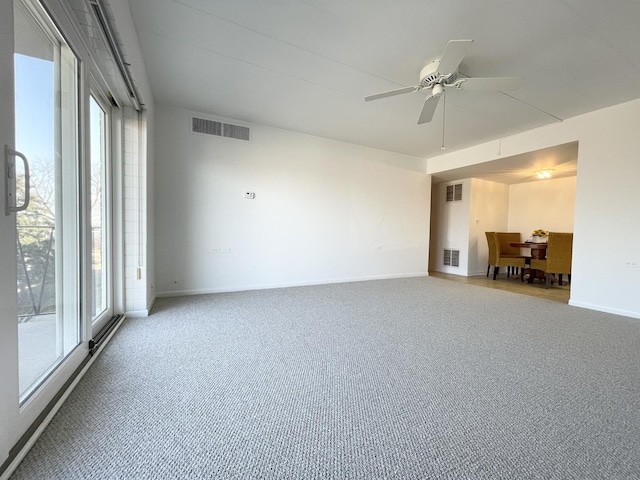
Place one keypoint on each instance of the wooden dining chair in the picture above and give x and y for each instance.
(498, 260)
(505, 239)
(559, 255)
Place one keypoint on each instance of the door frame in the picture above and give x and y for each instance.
(97, 92)
(8, 259)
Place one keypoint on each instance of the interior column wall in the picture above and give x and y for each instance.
(450, 228)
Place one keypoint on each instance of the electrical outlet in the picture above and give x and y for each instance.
(376, 247)
(632, 263)
(250, 195)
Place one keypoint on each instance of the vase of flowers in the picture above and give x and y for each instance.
(539, 235)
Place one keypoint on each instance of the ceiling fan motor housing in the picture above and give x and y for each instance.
(429, 75)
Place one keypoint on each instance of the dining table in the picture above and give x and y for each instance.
(538, 251)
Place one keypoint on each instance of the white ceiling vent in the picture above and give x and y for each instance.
(219, 129)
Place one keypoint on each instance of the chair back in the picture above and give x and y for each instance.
(559, 252)
(493, 247)
(504, 239)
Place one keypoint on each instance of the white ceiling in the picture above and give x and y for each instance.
(306, 65)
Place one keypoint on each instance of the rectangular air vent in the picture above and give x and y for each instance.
(219, 129)
(236, 131)
(451, 258)
(200, 125)
(454, 192)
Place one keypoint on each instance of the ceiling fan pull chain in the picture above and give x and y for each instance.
(444, 109)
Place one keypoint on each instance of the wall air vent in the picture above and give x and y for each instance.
(236, 131)
(454, 192)
(451, 258)
(219, 129)
(200, 125)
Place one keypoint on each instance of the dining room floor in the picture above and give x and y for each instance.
(536, 289)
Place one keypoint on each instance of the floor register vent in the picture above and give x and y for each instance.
(219, 129)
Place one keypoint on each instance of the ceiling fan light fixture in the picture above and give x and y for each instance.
(542, 174)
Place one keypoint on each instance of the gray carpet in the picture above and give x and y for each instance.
(409, 378)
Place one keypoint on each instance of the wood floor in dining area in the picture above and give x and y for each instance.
(536, 289)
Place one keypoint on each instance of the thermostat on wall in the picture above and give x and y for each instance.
(250, 195)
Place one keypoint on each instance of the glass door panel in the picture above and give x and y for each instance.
(100, 226)
(46, 132)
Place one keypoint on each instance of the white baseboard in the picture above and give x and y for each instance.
(600, 308)
(267, 286)
(478, 273)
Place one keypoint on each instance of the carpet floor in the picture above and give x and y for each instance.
(416, 378)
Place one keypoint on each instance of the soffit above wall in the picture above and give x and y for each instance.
(562, 160)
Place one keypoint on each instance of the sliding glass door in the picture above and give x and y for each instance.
(8, 310)
(56, 262)
(47, 193)
(101, 258)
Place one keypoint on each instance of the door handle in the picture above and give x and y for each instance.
(10, 181)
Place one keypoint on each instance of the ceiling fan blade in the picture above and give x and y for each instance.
(494, 84)
(392, 93)
(428, 109)
(453, 54)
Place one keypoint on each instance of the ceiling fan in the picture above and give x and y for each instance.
(443, 73)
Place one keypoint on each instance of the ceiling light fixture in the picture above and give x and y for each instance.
(544, 174)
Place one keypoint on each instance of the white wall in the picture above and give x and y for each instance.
(607, 208)
(449, 227)
(321, 208)
(462, 225)
(547, 204)
(488, 213)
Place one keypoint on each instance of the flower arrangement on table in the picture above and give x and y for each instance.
(539, 235)
(540, 232)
